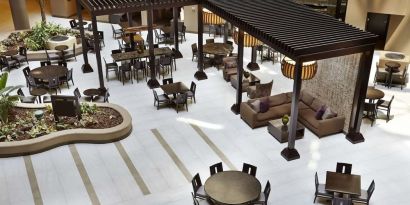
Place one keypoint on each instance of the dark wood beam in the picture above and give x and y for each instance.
(152, 82)
(97, 52)
(200, 74)
(175, 25)
(86, 67)
(290, 153)
(354, 135)
(226, 31)
(236, 108)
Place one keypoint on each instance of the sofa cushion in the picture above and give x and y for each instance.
(276, 100)
(264, 105)
(275, 112)
(329, 114)
(319, 113)
(309, 116)
(316, 104)
(306, 97)
(255, 105)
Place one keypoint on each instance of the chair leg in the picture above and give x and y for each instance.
(314, 200)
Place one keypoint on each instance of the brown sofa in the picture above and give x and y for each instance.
(280, 105)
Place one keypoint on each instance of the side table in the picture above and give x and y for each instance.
(281, 132)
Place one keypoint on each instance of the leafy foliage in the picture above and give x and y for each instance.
(6, 101)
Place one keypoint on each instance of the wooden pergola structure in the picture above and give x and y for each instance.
(296, 31)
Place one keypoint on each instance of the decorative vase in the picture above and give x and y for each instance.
(246, 74)
(285, 119)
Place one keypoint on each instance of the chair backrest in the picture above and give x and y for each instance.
(101, 35)
(181, 98)
(106, 96)
(77, 93)
(266, 192)
(53, 82)
(194, 48)
(3, 60)
(44, 63)
(23, 51)
(370, 190)
(156, 45)
(193, 87)
(62, 63)
(119, 45)
(165, 60)
(196, 182)
(229, 42)
(391, 100)
(167, 81)
(20, 92)
(31, 81)
(216, 168)
(211, 40)
(139, 65)
(70, 74)
(344, 168)
(250, 169)
(156, 33)
(48, 56)
(26, 71)
(112, 27)
(155, 94)
(316, 182)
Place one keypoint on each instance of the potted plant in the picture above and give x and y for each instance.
(6, 101)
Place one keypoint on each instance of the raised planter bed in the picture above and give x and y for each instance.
(58, 138)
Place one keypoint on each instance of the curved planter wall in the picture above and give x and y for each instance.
(55, 139)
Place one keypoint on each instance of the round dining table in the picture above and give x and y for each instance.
(49, 71)
(232, 187)
(374, 94)
(218, 48)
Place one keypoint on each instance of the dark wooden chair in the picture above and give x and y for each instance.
(110, 67)
(32, 83)
(264, 196)
(124, 70)
(371, 111)
(194, 49)
(199, 191)
(176, 55)
(71, 54)
(344, 168)
(401, 78)
(385, 105)
(140, 66)
(8, 63)
(65, 106)
(62, 63)
(53, 83)
(68, 77)
(53, 56)
(216, 168)
(73, 24)
(210, 40)
(192, 91)
(159, 37)
(200, 202)
(22, 56)
(26, 72)
(320, 190)
(341, 201)
(250, 169)
(167, 81)
(160, 99)
(181, 99)
(181, 31)
(80, 98)
(116, 32)
(101, 38)
(25, 99)
(166, 63)
(102, 99)
(365, 196)
(44, 63)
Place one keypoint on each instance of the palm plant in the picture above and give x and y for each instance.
(7, 101)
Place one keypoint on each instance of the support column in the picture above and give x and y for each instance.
(152, 82)
(19, 13)
(354, 135)
(237, 106)
(175, 21)
(97, 51)
(226, 31)
(200, 74)
(290, 153)
(253, 65)
(131, 35)
(86, 68)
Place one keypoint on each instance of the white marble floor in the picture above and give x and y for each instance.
(384, 156)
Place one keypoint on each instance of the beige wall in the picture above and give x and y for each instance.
(398, 38)
(191, 18)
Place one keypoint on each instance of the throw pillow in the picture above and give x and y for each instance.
(256, 105)
(320, 112)
(264, 105)
(328, 114)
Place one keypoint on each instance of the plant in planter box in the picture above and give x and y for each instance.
(6, 101)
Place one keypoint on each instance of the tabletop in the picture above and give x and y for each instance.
(174, 88)
(392, 64)
(49, 71)
(343, 183)
(92, 92)
(144, 54)
(233, 187)
(217, 48)
(374, 94)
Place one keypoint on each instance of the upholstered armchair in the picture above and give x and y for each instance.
(260, 90)
(230, 64)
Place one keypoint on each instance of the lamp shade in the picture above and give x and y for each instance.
(248, 40)
(211, 18)
(309, 69)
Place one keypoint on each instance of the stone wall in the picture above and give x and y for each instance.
(335, 82)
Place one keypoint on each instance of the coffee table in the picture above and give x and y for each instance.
(93, 92)
(281, 132)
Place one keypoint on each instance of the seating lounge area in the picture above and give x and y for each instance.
(212, 113)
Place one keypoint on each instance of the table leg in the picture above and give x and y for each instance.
(39, 99)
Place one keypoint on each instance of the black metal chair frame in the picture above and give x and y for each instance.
(216, 168)
(250, 169)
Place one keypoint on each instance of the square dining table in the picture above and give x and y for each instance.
(343, 183)
(174, 88)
